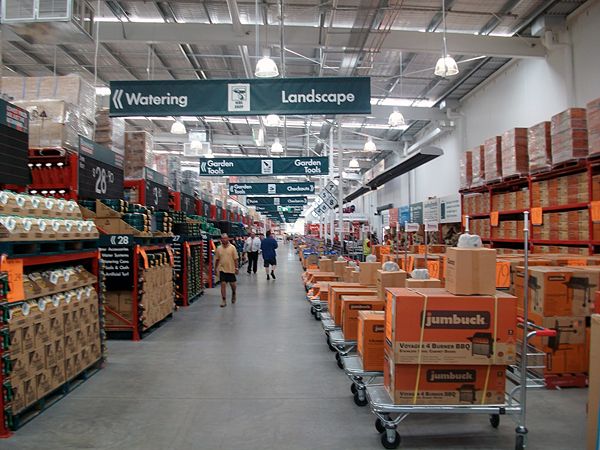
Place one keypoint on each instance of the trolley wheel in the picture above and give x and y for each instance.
(353, 388)
(387, 444)
(317, 315)
(520, 442)
(313, 311)
(495, 420)
(360, 401)
(340, 364)
(379, 426)
(331, 347)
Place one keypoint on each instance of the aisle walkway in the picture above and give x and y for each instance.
(257, 375)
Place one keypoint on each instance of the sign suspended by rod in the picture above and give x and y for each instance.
(271, 188)
(283, 201)
(241, 97)
(219, 167)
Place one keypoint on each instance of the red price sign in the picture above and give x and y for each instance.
(434, 269)
(502, 274)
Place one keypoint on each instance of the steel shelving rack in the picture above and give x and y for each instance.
(182, 246)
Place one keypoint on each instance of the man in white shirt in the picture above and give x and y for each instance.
(251, 247)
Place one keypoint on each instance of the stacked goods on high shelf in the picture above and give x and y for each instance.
(493, 159)
(477, 203)
(33, 218)
(151, 299)
(138, 153)
(569, 135)
(514, 153)
(564, 226)
(61, 109)
(539, 147)
(564, 190)
(188, 249)
(480, 227)
(509, 201)
(472, 368)
(593, 123)
(110, 132)
(466, 170)
(508, 229)
(478, 166)
(170, 166)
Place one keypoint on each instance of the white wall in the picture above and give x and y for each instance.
(524, 93)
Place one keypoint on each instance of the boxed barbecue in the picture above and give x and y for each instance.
(351, 306)
(387, 279)
(471, 271)
(569, 135)
(335, 302)
(493, 159)
(433, 326)
(371, 334)
(443, 384)
(514, 152)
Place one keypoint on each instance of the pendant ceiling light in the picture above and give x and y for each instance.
(446, 65)
(353, 165)
(272, 120)
(276, 147)
(396, 119)
(196, 145)
(178, 127)
(266, 68)
(370, 145)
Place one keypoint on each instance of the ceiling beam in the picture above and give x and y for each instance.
(339, 38)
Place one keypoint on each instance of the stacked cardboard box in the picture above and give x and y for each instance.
(466, 169)
(508, 229)
(335, 298)
(593, 124)
(509, 201)
(539, 147)
(561, 191)
(138, 153)
(478, 166)
(476, 203)
(371, 335)
(564, 226)
(480, 227)
(53, 344)
(569, 135)
(110, 131)
(561, 249)
(493, 159)
(514, 152)
(56, 124)
(157, 301)
(351, 306)
(442, 348)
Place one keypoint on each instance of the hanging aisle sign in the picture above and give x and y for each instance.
(100, 171)
(219, 167)
(283, 201)
(271, 188)
(241, 97)
(157, 190)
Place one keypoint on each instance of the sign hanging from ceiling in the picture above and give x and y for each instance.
(268, 208)
(219, 167)
(241, 97)
(271, 188)
(100, 171)
(283, 201)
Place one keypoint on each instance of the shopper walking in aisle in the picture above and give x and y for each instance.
(268, 247)
(251, 247)
(226, 263)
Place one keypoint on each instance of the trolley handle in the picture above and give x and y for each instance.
(537, 330)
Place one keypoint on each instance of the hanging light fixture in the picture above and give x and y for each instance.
(196, 145)
(272, 120)
(266, 68)
(396, 119)
(178, 127)
(353, 164)
(276, 147)
(446, 65)
(370, 145)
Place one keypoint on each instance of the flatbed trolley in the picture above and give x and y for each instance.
(359, 377)
(342, 346)
(521, 377)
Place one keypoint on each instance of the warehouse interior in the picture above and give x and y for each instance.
(345, 155)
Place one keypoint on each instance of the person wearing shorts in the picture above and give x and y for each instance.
(268, 247)
(226, 263)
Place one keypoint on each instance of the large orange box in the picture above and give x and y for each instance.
(433, 326)
(443, 384)
(325, 285)
(338, 268)
(371, 334)
(335, 295)
(570, 330)
(326, 264)
(347, 277)
(351, 306)
(549, 291)
(322, 276)
(368, 273)
(339, 284)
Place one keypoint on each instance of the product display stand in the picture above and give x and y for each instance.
(189, 268)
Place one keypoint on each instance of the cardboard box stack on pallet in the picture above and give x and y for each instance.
(539, 147)
(138, 153)
(50, 345)
(110, 132)
(451, 346)
(593, 124)
(466, 169)
(61, 108)
(493, 159)
(514, 152)
(478, 166)
(561, 298)
(569, 135)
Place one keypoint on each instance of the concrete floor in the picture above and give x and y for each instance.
(258, 375)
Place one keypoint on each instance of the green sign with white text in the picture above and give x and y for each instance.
(241, 97)
(219, 167)
(283, 201)
(271, 188)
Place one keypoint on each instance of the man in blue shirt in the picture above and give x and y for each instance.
(268, 246)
